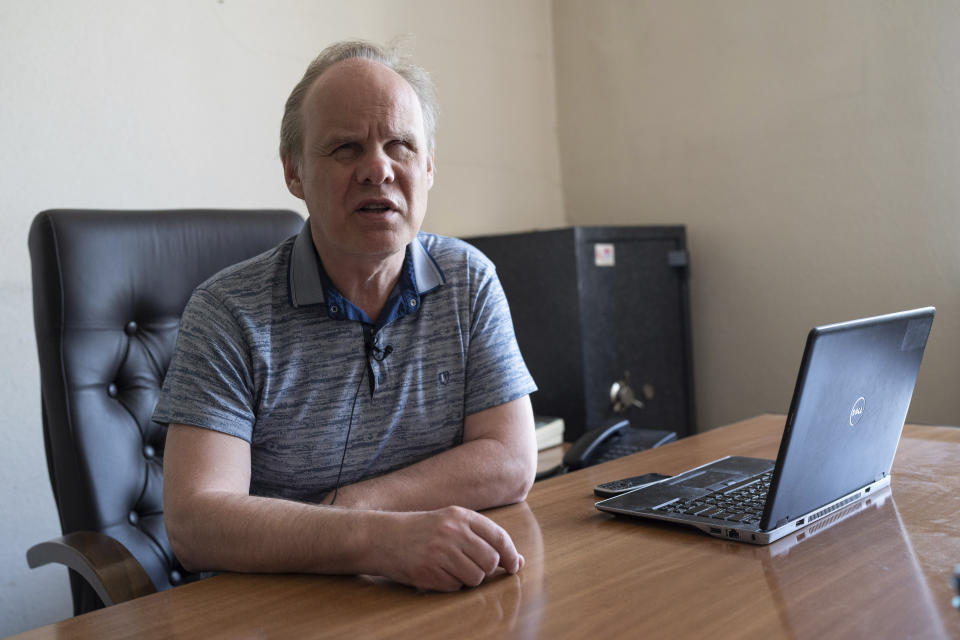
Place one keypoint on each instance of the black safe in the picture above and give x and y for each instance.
(602, 316)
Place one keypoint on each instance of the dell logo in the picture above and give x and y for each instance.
(856, 413)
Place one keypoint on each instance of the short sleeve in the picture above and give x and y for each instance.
(496, 372)
(209, 383)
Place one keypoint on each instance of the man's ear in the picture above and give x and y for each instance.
(431, 168)
(291, 174)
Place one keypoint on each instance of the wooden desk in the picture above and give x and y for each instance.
(880, 573)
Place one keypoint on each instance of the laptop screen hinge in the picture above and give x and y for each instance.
(781, 522)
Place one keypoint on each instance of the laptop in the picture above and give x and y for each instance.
(850, 402)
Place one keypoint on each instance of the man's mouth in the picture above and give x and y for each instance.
(376, 206)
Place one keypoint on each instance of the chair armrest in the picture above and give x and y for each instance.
(104, 563)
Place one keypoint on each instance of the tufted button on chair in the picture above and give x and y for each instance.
(108, 291)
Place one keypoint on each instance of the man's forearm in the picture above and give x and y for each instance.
(223, 531)
(476, 475)
(444, 549)
(213, 523)
(495, 465)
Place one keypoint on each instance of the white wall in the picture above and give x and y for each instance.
(813, 151)
(155, 104)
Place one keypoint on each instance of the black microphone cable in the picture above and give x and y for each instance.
(353, 408)
(379, 355)
(346, 441)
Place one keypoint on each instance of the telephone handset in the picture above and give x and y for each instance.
(595, 442)
(612, 440)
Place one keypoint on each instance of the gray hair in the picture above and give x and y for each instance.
(291, 127)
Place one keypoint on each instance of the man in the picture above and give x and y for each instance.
(343, 403)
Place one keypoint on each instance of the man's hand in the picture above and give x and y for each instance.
(446, 549)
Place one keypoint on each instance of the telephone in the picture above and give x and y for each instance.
(612, 440)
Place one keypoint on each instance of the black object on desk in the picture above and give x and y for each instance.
(610, 441)
(615, 488)
(613, 440)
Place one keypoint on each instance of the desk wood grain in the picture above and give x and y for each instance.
(881, 572)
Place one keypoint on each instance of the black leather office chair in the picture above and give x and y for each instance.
(108, 291)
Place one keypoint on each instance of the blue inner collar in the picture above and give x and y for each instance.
(309, 283)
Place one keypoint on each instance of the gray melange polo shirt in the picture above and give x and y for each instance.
(261, 355)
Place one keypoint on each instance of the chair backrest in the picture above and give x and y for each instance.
(108, 291)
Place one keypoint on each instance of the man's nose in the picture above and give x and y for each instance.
(376, 167)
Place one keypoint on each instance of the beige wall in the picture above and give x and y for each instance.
(498, 158)
(811, 148)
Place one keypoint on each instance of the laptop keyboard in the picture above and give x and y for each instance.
(742, 502)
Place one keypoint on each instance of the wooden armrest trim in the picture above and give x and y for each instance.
(103, 562)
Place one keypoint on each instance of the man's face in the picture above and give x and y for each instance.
(365, 169)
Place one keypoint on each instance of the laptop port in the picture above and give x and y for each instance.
(716, 530)
(800, 522)
(733, 533)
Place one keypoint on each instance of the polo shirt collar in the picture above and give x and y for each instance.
(306, 285)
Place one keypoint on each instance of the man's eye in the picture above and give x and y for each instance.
(346, 151)
(401, 148)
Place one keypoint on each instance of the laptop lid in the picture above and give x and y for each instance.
(855, 384)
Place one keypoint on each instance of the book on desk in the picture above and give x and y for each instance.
(549, 431)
